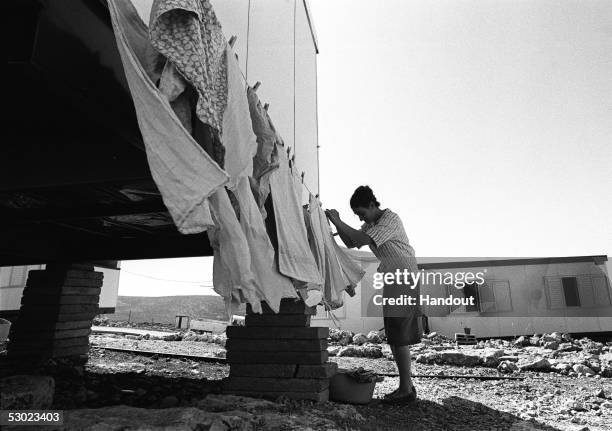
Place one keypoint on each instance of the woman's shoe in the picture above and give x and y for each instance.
(401, 399)
(390, 394)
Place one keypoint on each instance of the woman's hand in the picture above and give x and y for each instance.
(333, 215)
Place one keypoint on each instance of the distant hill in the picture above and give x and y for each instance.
(164, 309)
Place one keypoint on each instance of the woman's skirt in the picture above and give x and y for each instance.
(401, 318)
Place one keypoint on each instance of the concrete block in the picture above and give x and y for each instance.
(240, 357)
(40, 283)
(280, 345)
(298, 320)
(263, 370)
(287, 306)
(28, 353)
(324, 371)
(44, 333)
(61, 299)
(271, 332)
(39, 341)
(56, 274)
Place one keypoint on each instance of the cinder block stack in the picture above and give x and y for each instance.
(57, 308)
(279, 354)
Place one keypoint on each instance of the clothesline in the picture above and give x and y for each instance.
(231, 42)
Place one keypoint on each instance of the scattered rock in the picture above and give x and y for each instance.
(492, 358)
(348, 351)
(583, 369)
(359, 339)
(521, 341)
(374, 337)
(552, 345)
(507, 367)
(333, 350)
(540, 364)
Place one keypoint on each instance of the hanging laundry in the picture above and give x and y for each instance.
(335, 282)
(137, 38)
(183, 172)
(271, 284)
(312, 293)
(222, 280)
(315, 236)
(341, 272)
(183, 98)
(353, 272)
(188, 33)
(232, 270)
(173, 86)
(266, 158)
(295, 259)
(266, 136)
(238, 138)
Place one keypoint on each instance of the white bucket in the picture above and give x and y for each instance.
(5, 327)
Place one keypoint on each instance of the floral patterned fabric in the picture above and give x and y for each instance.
(183, 172)
(188, 33)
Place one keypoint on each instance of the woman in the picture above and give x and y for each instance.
(384, 233)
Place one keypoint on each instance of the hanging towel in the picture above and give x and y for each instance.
(295, 259)
(352, 270)
(222, 280)
(232, 270)
(238, 138)
(341, 272)
(188, 33)
(315, 235)
(266, 158)
(271, 284)
(173, 87)
(184, 174)
(266, 137)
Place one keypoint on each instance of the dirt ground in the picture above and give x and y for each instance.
(124, 385)
(545, 401)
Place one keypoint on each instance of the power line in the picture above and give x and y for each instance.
(204, 283)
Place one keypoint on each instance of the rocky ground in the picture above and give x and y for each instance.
(550, 387)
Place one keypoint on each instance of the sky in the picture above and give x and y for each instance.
(486, 125)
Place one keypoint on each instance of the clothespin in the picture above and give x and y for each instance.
(288, 151)
(293, 159)
(256, 86)
(266, 106)
(303, 173)
(232, 40)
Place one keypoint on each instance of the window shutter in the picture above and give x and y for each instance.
(555, 293)
(503, 299)
(487, 298)
(457, 293)
(585, 287)
(601, 290)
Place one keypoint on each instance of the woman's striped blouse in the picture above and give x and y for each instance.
(391, 244)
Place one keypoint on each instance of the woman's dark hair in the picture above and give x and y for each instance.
(362, 197)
